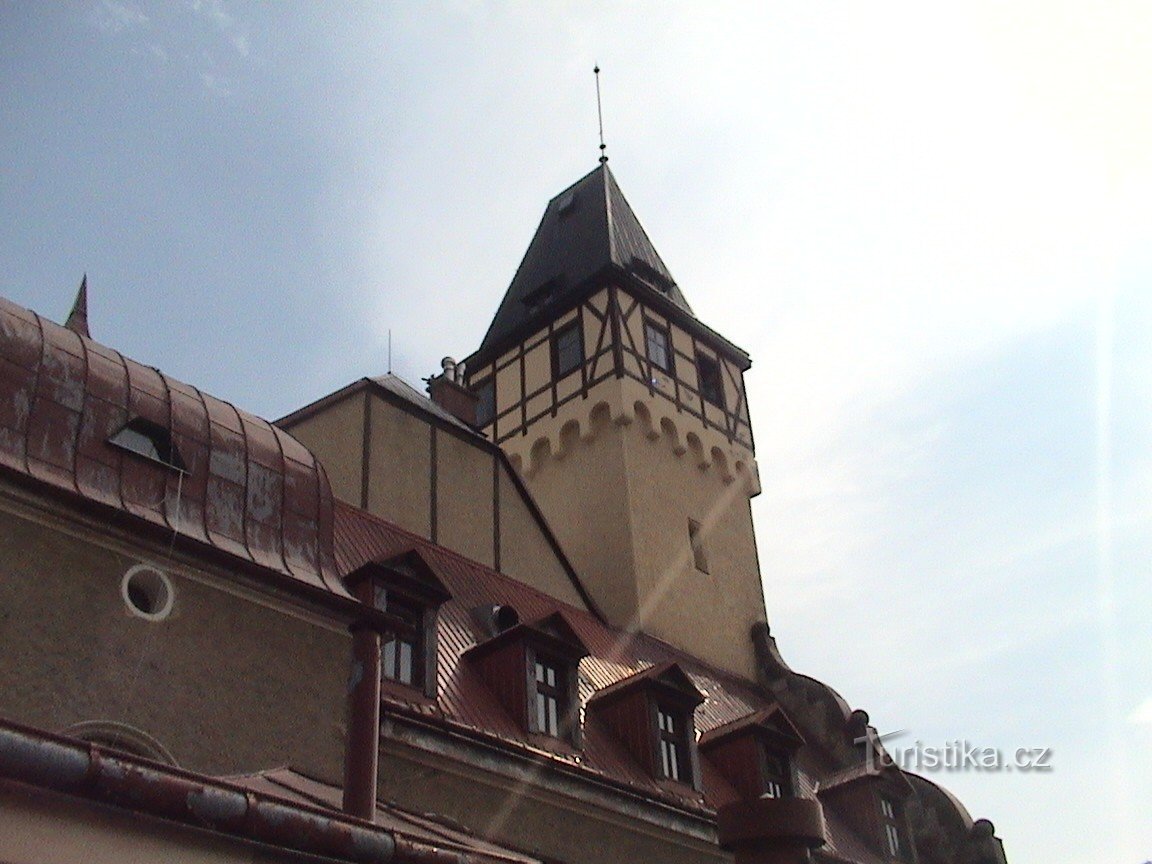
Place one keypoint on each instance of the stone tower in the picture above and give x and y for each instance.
(628, 421)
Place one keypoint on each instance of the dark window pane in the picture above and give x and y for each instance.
(711, 387)
(485, 402)
(567, 349)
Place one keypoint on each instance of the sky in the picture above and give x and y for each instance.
(928, 224)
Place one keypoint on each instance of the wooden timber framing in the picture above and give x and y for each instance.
(610, 318)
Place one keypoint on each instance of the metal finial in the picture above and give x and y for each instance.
(600, 116)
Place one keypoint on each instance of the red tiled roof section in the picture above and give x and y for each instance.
(249, 488)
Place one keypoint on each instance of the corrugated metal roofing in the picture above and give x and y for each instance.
(247, 488)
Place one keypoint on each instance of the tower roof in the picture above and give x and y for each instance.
(587, 229)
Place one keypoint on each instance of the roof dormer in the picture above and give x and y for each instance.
(533, 669)
(652, 715)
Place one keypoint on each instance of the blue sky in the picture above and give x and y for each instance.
(928, 224)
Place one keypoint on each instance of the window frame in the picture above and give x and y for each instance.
(710, 377)
(891, 819)
(573, 327)
(161, 449)
(412, 585)
(775, 771)
(696, 542)
(672, 744)
(653, 328)
(558, 693)
(393, 642)
(485, 391)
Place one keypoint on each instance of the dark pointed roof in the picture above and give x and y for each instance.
(78, 318)
(587, 229)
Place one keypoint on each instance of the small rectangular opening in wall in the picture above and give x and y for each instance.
(711, 385)
(695, 537)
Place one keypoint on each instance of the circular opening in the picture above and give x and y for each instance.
(505, 617)
(147, 592)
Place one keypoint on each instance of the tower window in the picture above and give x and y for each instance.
(657, 344)
(670, 728)
(696, 539)
(150, 440)
(485, 401)
(567, 350)
(711, 386)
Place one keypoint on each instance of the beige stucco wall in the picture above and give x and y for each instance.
(226, 658)
(400, 459)
(464, 499)
(619, 474)
(335, 437)
(463, 478)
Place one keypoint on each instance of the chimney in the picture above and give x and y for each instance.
(448, 391)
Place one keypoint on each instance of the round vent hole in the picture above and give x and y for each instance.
(147, 592)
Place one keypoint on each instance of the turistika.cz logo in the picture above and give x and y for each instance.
(955, 755)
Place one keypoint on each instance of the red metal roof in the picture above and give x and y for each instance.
(464, 700)
(249, 489)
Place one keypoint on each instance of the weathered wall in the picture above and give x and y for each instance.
(225, 659)
(516, 806)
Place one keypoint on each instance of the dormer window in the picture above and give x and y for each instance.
(777, 773)
(674, 759)
(755, 753)
(149, 440)
(402, 649)
(533, 669)
(890, 819)
(651, 714)
(551, 696)
(408, 592)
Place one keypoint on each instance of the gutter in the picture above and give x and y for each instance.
(92, 773)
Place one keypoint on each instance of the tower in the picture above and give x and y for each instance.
(628, 420)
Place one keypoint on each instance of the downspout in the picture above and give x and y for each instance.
(361, 753)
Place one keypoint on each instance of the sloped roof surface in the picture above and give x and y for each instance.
(291, 785)
(400, 388)
(248, 488)
(586, 228)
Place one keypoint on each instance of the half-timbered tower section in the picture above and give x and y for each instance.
(628, 420)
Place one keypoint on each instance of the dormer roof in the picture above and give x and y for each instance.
(587, 230)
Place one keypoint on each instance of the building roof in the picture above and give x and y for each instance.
(280, 809)
(586, 229)
(226, 478)
(400, 388)
(466, 703)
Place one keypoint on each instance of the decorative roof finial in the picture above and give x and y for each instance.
(600, 116)
(78, 318)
